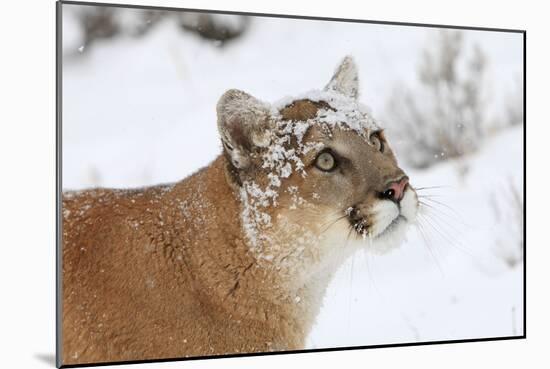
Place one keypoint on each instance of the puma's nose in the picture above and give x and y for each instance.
(396, 190)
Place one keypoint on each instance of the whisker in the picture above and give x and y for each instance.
(350, 292)
(429, 196)
(445, 227)
(336, 212)
(369, 269)
(429, 187)
(443, 204)
(453, 218)
(348, 235)
(459, 246)
(429, 221)
(445, 236)
(428, 246)
(331, 223)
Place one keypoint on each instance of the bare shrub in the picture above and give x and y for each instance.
(443, 116)
(215, 27)
(510, 110)
(507, 208)
(97, 23)
(514, 105)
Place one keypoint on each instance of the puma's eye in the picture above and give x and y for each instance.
(376, 141)
(325, 161)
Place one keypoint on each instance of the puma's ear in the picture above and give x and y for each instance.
(244, 125)
(345, 80)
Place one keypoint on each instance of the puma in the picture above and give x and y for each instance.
(235, 258)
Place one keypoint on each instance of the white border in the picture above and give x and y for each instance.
(27, 149)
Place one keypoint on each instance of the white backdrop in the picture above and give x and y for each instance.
(27, 260)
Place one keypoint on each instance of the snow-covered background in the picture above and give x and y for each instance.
(139, 109)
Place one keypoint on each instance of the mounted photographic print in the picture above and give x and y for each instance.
(236, 184)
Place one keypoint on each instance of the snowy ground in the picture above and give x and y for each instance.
(447, 284)
(142, 111)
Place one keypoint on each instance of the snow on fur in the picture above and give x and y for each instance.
(282, 157)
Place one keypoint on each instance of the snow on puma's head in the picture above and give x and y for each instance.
(314, 173)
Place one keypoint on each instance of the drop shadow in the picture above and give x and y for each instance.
(46, 358)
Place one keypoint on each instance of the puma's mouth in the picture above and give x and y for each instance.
(395, 223)
(373, 228)
(382, 218)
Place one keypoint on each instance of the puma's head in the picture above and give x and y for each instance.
(315, 173)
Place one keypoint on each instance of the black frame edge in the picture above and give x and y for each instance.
(292, 16)
(58, 185)
(525, 184)
(309, 351)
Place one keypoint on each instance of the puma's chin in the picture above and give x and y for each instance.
(391, 237)
(386, 225)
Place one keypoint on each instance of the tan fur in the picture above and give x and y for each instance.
(302, 110)
(168, 272)
(142, 279)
